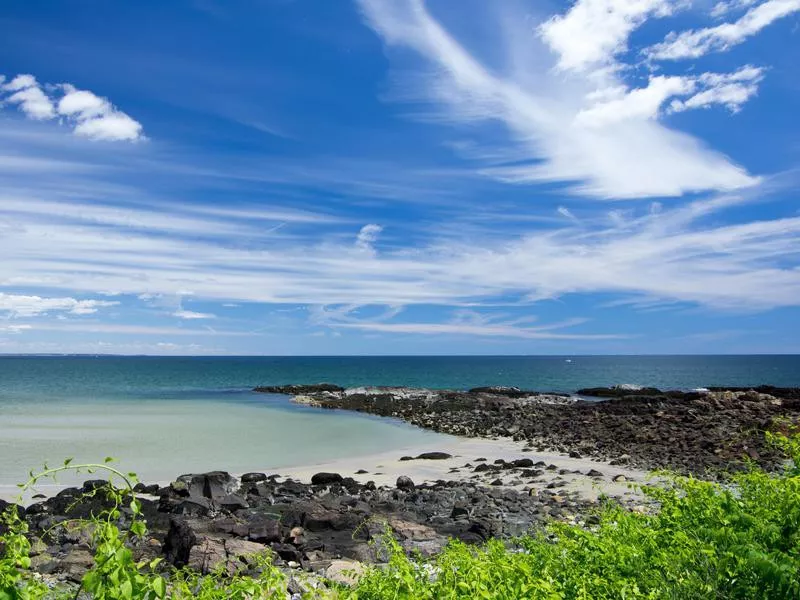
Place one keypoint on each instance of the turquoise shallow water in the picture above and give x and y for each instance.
(166, 416)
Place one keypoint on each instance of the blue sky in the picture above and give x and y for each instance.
(400, 177)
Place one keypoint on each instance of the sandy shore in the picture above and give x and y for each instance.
(385, 467)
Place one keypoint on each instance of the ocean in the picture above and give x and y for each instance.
(164, 416)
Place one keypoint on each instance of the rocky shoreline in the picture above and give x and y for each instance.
(316, 531)
(698, 432)
(331, 523)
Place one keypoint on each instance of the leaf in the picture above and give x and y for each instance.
(108, 459)
(160, 587)
(126, 589)
(67, 461)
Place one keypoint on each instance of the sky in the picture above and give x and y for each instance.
(307, 177)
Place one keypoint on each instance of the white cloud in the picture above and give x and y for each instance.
(630, 159)
(592, 32)
(495, 330)
(640, 103)
(90, 115)
(731, 90)
(723, 8)
(20, 82)
(96, 118)
(367, 236)
(565, 212)
(192, 315)
(27, 93)
(29, 306)
(696, 43)
(676, 254)
(12, 329)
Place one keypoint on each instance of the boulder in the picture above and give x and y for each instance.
(434, 456)
(264, 531)
(345, 572)
(214, 485)
(179, 541)
(405, 483)
(326, 478)
(242, 549)
(207, 555)
(253, 477)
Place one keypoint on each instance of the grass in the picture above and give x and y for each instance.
(740, 539)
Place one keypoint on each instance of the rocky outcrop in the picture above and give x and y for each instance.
(295, 390)
(306, 526)
(690, 432)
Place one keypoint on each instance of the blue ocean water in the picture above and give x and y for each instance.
(166, 416)
(128, 377)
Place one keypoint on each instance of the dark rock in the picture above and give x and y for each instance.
(459, 512)
(320, 521)
(326, 478)
(594, 473)
(361, 472)
(404, 483)
(93, 484)
(406, 458)
(214, 485)
(179, 542)
(298, 390)
(497, 482)
(264, 531)
(500, 390)
(287, 552)
(152, 490)
(619, 392)
(434, 456)
(253, 477)
(524, 463)
(193, 507)
(233, 502)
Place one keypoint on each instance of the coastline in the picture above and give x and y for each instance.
(384, 468)
(513, 462)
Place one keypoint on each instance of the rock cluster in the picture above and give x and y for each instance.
(206, 520)
(690, 432)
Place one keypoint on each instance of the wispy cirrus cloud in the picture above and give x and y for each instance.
(696, 43)
(543, 102)
(192, 315)
(680, 254)
(463, 322)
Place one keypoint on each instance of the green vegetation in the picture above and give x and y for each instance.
(740, 539)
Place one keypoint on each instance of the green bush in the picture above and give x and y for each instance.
(740, 539)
